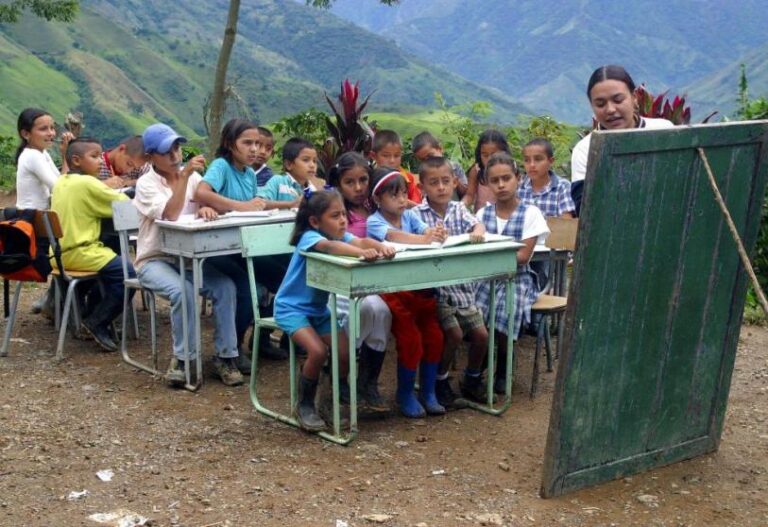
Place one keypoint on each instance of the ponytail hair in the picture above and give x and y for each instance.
(26, 122)
(610, 72)
(313, 204)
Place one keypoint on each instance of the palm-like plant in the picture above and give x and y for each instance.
(661, 107)
(348, 130)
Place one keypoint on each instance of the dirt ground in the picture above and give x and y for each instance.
(208, 459)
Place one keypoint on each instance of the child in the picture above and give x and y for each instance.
(426, 145)
(541, 187)
(387, 151)
(230, 184)
(478, 193)
(350, 175)
(264, 149)
(300, 164)
(124, 164)
(81, 202)
(414, 313)
(36, 173)
(302, 311)
(525, 223)
(164, 193)
(456, 307)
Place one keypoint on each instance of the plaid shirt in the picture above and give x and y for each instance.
(554, 200)
(457, 220)
(526, 292)
(105, 171)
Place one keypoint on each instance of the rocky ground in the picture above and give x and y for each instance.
(208, 459)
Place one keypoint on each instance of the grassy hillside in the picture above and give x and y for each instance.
(127, 63)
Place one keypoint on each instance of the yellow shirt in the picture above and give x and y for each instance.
(81, 203)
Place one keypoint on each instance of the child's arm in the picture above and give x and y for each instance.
(175, 204)
(384, 250)
(430, 235)
(271, 204)
(339, 248)
(206, 196)
(477, 234)
(469, 196)
(271, 192)
(525, 253)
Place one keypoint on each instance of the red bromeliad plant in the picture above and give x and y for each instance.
(350, 132)
(661, 107)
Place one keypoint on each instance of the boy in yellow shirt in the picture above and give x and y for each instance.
(81, 202)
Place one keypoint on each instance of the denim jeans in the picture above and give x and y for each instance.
(163, 278)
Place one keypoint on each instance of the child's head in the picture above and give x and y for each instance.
(538, 156)
(265, 147)
(163, 148)
(238, 143)
(501, 173)
(300, 159)
(437, 180)
(36, 130)
(387, 149)
(322, 210)
(389, 190)
(84, 156)
(128, 155)
(351, 175)
(426, 145)
(490, 142)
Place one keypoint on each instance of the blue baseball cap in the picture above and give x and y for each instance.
(159, 138)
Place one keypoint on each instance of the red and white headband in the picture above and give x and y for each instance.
(383, 181)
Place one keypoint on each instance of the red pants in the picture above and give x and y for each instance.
(415, 326)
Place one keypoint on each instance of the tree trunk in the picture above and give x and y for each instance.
(218, 94)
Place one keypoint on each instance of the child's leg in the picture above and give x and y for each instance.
(111, 305)
(409, 351)
(452, 336)
(471, 384)
(222, 291)
(425, 310)
(375, 326)
(233, 266)
(500, 376)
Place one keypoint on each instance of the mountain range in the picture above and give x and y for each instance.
(127, 63)
(542, 52)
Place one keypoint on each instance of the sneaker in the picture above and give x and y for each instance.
(174, 376)
(447, 397)
(226, 370)
(474, 389)
(243, 364)
(101, 334)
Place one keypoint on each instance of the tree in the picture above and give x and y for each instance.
(59, 10)
(215, 107)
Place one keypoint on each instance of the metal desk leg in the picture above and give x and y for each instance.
(185, 322)
(197, 285)
(11, 319)
(336, 436)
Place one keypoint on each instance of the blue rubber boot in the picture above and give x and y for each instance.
(406, 397)
(427, 396)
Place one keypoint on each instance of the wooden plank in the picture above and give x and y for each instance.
(656, 302)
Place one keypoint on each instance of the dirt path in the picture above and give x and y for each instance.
(207, 459)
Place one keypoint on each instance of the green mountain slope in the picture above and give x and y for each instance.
(542, 52)
(126, 63)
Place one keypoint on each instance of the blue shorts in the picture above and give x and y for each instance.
(292, 323)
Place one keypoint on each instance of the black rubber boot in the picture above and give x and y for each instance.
(306, 413)
(371, 362)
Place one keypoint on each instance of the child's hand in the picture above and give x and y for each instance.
(66, 137)
(295, 203)
(436, 234)
(207, 214)
(256, 204)
(386, 251)
(196, 164)
(476, 237)
(369, 255)
(114, 182)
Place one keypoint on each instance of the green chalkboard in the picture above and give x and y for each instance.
(656, 301)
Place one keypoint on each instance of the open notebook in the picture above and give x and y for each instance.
(451, 241)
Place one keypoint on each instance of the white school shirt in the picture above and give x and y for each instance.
(35, 175)
(534, 224)
(581, 150)
(152, 195)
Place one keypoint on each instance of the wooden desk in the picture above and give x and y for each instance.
(412, 270)
(198, 240)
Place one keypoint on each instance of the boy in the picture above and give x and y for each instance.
(426, 145)
(165, 192)
(300, 163)
(265, 149)
(81, 202)
(387, 151)
(124, 164)
(457, 312)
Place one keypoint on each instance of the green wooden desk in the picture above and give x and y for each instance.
(408, 271)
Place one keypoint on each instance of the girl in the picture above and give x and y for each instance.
(525, 223)
(414, 313)
(350, 175)
(36, 173)
(540, 186)
(230, 184)
(611, 93)
(302, 311)
(478, 194)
